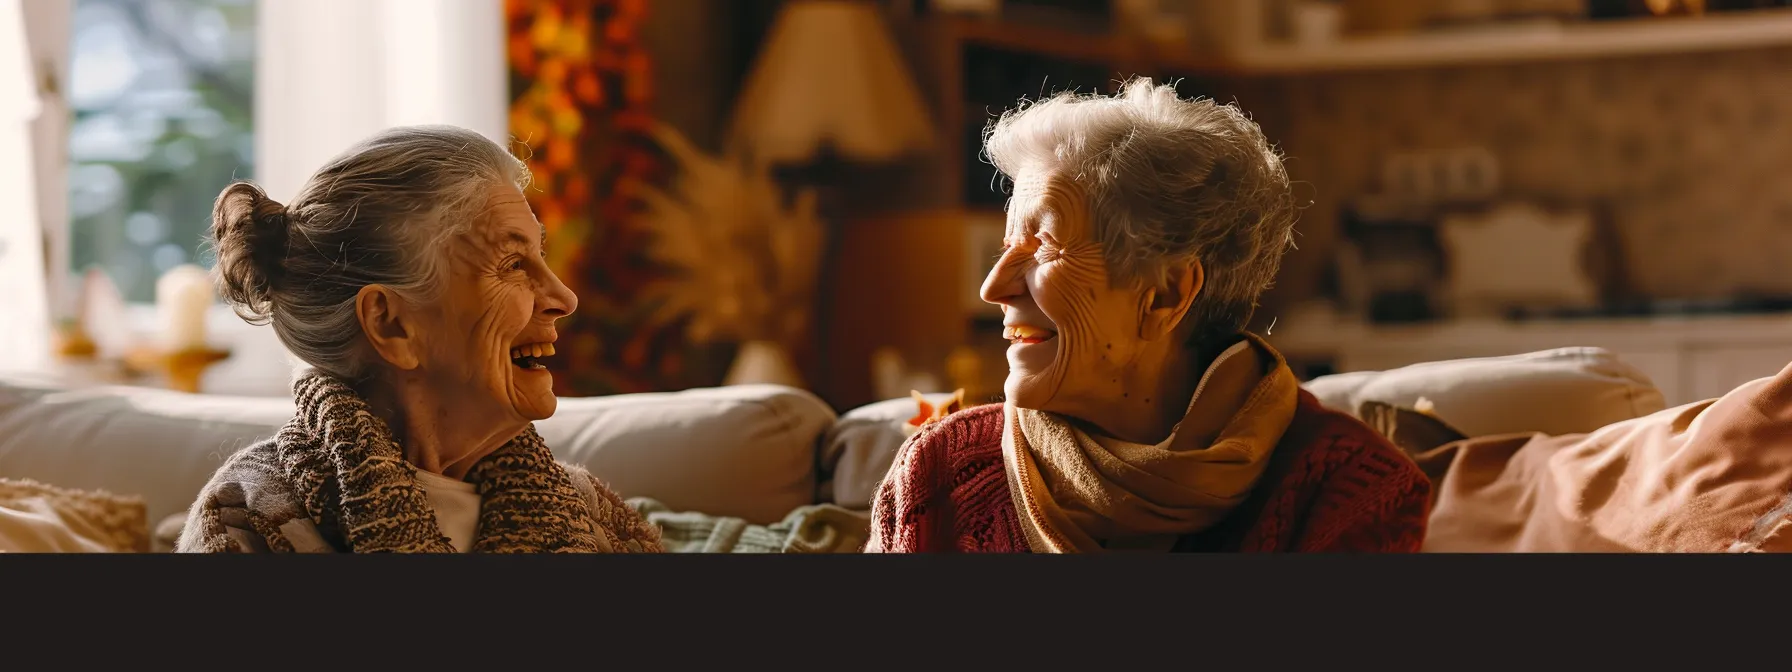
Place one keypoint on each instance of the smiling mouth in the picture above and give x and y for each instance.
(1027, 334)
(528, 357)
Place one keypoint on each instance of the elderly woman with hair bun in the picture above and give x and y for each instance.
(1140, 415)
(408, 274)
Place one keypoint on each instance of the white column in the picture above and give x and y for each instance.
(319, 86)
(445, 64)
(24, 305)
(47, 26)
(331, 72)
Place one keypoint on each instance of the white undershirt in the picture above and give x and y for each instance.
(457, 507)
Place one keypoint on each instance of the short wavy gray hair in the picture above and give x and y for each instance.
(1169, 180)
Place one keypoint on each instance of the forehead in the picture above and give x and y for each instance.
(1045, 197)
(506, 219)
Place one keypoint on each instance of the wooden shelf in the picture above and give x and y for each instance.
(1535, 42)
(1527, 42)
(1068, 45)
(1111, 49)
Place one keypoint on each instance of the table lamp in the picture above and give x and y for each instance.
(830, 80)
(828, 91)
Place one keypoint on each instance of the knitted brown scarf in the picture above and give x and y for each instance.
(352, 477)
(1073, 494)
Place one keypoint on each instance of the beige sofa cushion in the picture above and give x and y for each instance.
(158, 445)
(744, 451)
(1560, 391)
(858, 450)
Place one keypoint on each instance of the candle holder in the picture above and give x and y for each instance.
(182, 368)
(73, 343)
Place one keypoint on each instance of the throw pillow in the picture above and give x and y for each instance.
(39, 518)
(1560, 391)
(860, 447)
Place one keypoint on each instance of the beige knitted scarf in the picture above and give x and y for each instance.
(352, 477)
(1076, 494)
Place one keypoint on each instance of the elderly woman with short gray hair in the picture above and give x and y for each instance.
(409, 275)
(1140, 415)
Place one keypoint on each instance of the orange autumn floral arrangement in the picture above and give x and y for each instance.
(581, 96)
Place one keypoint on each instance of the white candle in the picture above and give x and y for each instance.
(183, 296)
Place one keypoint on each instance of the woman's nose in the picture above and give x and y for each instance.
(1004, 281)
(557, 300)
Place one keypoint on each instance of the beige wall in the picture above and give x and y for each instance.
(694, 71)
(1693, 153)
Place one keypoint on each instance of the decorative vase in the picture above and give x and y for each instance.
(761, 363)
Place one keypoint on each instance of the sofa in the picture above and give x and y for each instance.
(751, 454)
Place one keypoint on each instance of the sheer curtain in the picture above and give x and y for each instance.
(28, 38)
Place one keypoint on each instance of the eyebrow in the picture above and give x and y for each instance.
(1029, 226)
(514, 239)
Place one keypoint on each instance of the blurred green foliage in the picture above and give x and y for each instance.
(162, 95)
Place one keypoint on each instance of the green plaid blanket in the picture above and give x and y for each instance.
(818, 528)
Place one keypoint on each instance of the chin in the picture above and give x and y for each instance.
(537, 409)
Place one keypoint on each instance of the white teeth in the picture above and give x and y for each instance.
(532, 350)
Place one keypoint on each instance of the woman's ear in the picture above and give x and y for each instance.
(388, 329)
(1162, 308)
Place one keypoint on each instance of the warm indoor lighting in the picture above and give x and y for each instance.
(830, 76)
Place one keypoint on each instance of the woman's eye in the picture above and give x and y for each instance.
(516, 265)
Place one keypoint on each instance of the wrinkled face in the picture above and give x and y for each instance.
(496, 315)
(1071, 335)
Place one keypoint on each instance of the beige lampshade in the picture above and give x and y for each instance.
(830, 74)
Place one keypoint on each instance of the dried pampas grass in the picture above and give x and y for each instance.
(745, 263)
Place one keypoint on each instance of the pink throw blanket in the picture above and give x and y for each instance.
(1708, 477)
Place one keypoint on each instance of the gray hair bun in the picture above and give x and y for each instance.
(250, 233)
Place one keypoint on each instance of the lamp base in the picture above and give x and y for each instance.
(763, 362)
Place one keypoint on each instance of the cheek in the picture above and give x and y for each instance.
(500, 319)
(1077, 299)
(1097, 325)
(479, 321)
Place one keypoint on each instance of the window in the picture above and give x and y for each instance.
(162, 94)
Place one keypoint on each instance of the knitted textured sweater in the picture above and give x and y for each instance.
(1332, 485)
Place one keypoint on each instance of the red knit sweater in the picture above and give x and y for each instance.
(1332, 485)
